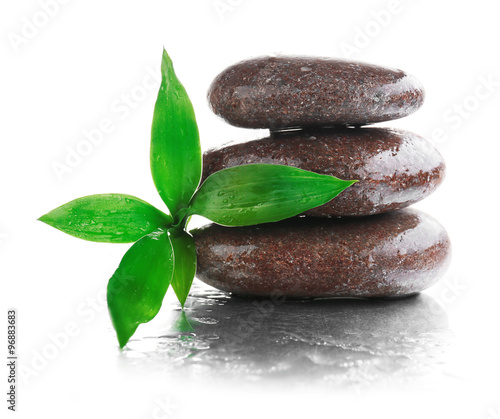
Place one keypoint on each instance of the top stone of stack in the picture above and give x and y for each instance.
(289, 92)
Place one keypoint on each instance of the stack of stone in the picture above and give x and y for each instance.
(363, 243)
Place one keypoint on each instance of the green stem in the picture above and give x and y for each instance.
(181, 218)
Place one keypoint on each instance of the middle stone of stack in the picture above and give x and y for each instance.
(395, 168)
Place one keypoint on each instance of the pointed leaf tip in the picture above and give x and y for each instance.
(349, 183)
(124, 336)
(167, 66)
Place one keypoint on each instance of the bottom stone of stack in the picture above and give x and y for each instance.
(395, 254)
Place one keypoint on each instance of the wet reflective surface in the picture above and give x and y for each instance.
(338, 342)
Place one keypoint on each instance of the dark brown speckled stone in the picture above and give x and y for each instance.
(389, 255)
(281, 92)
(395, 168)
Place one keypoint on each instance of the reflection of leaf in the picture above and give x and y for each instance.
(182, 323)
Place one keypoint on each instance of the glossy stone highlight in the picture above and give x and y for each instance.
(389, 255)
(395, 168)
(283, 92)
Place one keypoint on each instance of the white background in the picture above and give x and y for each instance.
(62, 75)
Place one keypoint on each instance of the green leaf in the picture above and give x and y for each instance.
(262, 193)
(175, 143)
(185, 262)
(136, 290)
(109, 218)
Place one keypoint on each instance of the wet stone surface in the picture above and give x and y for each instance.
(395, 168)
(283, 92)
(354, 343)
(388, 255)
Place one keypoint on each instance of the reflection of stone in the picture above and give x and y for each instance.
(337, 341)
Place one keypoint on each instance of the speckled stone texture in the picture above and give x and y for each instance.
(389, 255)
(395, 168)
(283, 92)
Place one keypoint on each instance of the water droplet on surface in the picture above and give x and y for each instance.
(371, 261)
